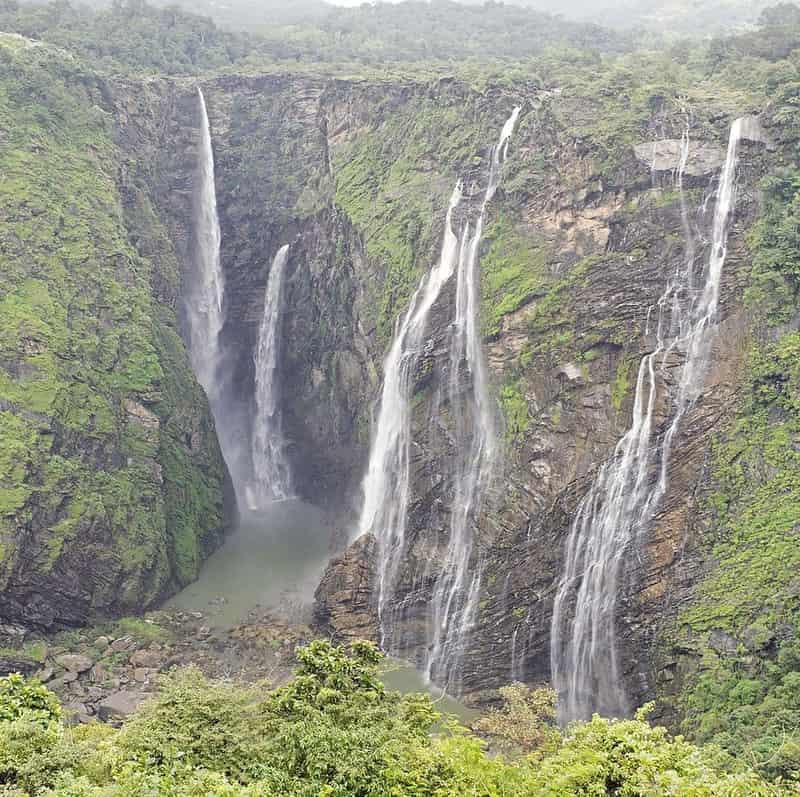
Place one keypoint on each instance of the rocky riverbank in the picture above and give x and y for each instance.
(105, 672)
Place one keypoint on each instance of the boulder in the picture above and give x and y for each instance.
(146, 658)
(122, 644)
(74, 662)
(119, 705)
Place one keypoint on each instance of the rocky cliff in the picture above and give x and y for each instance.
(111, 479)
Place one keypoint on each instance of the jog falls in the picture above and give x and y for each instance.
(400, 399)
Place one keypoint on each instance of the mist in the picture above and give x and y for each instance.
(679, 17)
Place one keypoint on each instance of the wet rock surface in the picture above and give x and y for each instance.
(571, 354)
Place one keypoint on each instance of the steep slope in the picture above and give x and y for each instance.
(111, 478)
(587, 229)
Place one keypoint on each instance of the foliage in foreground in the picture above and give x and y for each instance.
(334, 731)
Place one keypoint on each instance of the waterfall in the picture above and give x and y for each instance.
(204, 310)
(386, 484)
(271, 474)
(455, 594)
(621, 502)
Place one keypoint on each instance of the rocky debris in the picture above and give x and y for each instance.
(122, 644)
(106, 678)
(74, 662)
(150, 658)
(118, 705)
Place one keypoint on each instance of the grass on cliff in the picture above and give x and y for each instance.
(335, 731)
(394, 180)
(743, 625)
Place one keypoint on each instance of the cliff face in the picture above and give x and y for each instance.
(583, 236)
(110, 474)
(273, 188)
(112, 487)
(581, 239)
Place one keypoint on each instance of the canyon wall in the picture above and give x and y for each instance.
(354, 175)
(110, 474)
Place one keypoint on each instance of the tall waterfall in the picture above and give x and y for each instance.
(625, 494)
(455, 595)
(386, 485)
(272, 478)
(204, 309)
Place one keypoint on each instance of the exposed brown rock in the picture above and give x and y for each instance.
(344, 601)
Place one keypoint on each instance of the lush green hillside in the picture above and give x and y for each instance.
(96, 397)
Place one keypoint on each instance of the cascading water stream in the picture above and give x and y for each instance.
(271, 473)
(386, 484)
(624, 496)
(455, 594)
(204, 310)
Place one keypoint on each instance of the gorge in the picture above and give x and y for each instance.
(493, 366)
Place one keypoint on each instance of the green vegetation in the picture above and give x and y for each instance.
(513, 269)
(384, 182)
(30, 699)
(621, 386)
(775, 278)
(744, 620)
(132, 35)
(515, 412)
(88, 405)
(335, 731)
(743, 624)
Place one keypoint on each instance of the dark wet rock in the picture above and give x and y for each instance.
(344, 601)
(20, 664)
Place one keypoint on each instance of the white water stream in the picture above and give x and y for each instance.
(204, 310)
(386, 485)
(474, 414)
(271, 474)
(620, 504)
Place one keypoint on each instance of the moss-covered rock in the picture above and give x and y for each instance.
(110, 476)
